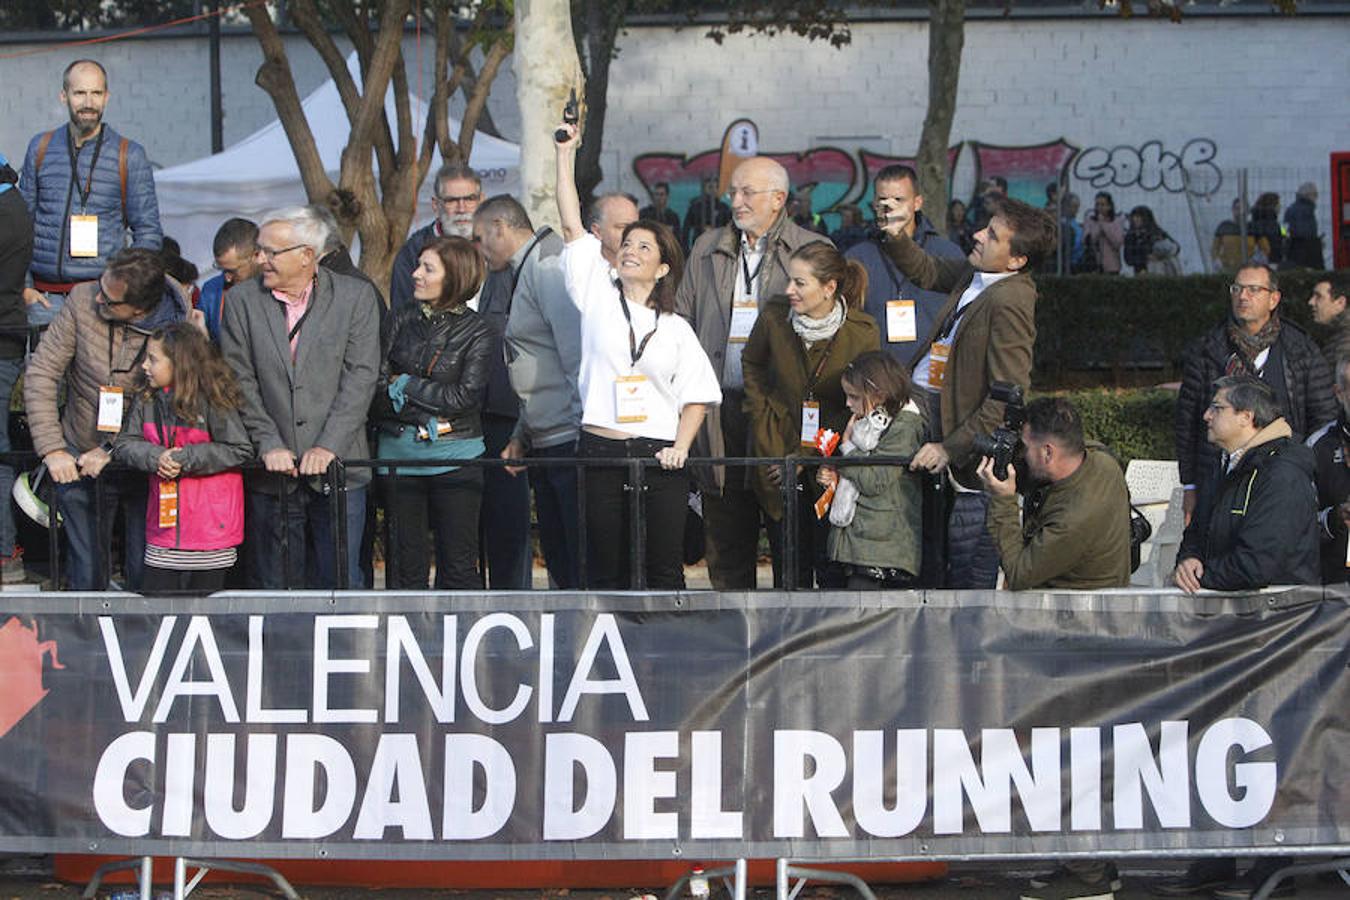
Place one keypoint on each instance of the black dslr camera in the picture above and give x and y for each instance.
(1001, 445)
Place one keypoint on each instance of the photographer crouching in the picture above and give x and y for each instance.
(1074, 531)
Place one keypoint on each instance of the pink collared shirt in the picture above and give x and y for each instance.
(295, 310)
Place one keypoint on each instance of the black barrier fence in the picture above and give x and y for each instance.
(333, 486)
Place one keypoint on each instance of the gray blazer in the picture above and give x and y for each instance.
(322, 399)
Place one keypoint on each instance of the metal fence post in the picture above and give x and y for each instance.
(637, 530)
(337, 498)
(788, 556)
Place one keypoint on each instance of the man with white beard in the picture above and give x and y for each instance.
(459, 190)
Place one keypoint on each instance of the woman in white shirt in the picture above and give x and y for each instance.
(645, 385)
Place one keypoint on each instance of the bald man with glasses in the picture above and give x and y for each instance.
(1254, 340)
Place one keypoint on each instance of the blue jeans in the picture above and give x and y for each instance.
(555, 505)
(311, 540)
(86, 561)
(9, 373)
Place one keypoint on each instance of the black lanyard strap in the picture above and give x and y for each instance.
(752, 277)
(74, 167)
(113, 370)
(161, 413)
(515, 275)
(635, 350)
(820, 366)
(309, 308)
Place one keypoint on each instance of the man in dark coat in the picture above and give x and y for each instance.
(1300, 220)
(1331, 452)
(1258, 528)
(1254, 341)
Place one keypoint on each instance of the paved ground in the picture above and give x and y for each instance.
(30, 879)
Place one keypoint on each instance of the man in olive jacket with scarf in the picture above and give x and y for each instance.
(1255, 340)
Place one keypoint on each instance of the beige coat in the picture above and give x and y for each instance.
(704, 299)
(75, 347)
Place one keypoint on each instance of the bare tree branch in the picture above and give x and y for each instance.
(274, 77)
(492, 63)
(946, 39)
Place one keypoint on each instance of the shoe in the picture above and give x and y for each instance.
(1202, 877)
(1066, 884)
(11, 567)
(1246, 887)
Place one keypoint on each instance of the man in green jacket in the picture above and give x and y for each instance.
(1075, 533)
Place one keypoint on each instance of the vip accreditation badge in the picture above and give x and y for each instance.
(901, 326)
(110, 405)
(168, 503)
(743, 315)
(937, 364)
(84, 236)
(810, 422)
(632, 399)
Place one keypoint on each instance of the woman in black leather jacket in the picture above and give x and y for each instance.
(432, 376)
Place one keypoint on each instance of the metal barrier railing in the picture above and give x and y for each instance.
(335, 488)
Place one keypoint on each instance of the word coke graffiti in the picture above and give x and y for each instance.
(1152, 168)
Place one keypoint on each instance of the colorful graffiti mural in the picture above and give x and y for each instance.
(841, 177)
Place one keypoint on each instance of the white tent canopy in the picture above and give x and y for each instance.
(259, 173)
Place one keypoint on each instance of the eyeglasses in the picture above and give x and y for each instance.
(269, 254)
(1218, 407)
(1237, 290)
(462, 200)
(103, 298)
(747, 193)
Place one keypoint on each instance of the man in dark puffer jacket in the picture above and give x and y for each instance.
(1254, 341)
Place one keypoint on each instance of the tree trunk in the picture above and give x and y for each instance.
(602, 31)
(547, 69)
(946, 37)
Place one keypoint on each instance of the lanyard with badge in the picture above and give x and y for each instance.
(811, 406)
(745, 307)
(168, 487)
(83, 227)
(111, 398)
(941, 349)
(633, 392)
(901, 325)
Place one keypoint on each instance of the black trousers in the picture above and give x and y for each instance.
(179, 581)
(732, 521)
(814, 567)
(608, 495)
(448, 505)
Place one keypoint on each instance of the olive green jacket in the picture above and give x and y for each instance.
(888, 520)
(778, 370)
(1075, 534)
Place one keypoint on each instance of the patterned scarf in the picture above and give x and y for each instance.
(812, 330)
(1247, 346)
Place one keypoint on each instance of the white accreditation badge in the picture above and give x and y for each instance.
(84, 236)
(744, 312)
(632, 399)
(901, 325)
(810, 422)
(110, 404)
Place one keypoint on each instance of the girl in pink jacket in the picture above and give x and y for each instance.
(184, 430)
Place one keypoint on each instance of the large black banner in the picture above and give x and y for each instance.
(641, 726)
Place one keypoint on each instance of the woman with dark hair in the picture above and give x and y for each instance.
(427, 406)
(800, 345)
(1265, 227)
(1148, 248)
(645, 384)
(1104, 235)
(956, 226)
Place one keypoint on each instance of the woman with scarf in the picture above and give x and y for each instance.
(800, 345)
(1148, 248)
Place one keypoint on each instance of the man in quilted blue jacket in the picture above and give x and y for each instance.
(90, 190)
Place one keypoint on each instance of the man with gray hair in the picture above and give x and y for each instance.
(305, 345)
(730, 271)
(458, 191)
(1258, 527)
(610, 214)
(1300, 220)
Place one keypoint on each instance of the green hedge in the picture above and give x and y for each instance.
(1135, 424)
(1116, 323)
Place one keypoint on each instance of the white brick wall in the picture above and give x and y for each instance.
(1268, 91)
